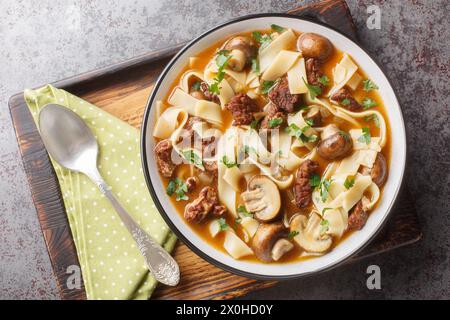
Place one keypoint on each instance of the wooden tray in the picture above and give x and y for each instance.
(122, 89)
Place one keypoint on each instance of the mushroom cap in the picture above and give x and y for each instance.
(244, 44)
(265, 238)
(314, 115)
(379, 170)
(262, 198)
(335, 144)
(312, 45)
(310, 236)
(280, 248)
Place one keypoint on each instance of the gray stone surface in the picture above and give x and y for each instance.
(54, 39)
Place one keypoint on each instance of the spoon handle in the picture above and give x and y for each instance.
(161, 264)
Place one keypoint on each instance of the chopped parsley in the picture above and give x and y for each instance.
(262, 39)
(314, 180)
(223, 224)
(243, 211)
(309, 122)
(227, 162)
(295, 131)
(254, 123)
(196, 86)
(325, 225)
(324, 188)
(292, 234)
(178, 187)
(314, 91)
(374, 118)
(277, 28)
(255, 66)
(221, 60)
(193, 158)
(267, 86)
(365, 137)
(324, 80)
(344, 135)
(369, 103)
(345, 102)
(349, 182)
(368, 85)
(275, 122)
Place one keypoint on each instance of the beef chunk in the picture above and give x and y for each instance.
(191, 183)
(344, 98)
(313, 72)
(163, 152)
(302, 187)
(242, 107)
(208, 94)
(206, 203)
(273, 113)
(282, 98)
(357, 217)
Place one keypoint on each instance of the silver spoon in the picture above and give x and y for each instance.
(71, 143)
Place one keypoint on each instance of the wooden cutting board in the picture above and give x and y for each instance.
(122, 89)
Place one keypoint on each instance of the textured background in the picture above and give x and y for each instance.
(51, 40)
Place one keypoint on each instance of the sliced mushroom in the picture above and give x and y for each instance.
(262, 198)
(312, 45)
(311, 236)
(242, 51)
(335, 144)
(280, 248)
(314, 115)
(379, 171)
(267, 235)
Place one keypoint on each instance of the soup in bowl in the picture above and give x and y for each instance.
(270, 146)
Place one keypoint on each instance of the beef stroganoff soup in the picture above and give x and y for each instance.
(273, 145)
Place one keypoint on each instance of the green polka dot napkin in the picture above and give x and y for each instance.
(111, 263)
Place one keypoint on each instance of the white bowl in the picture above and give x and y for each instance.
(282, 270)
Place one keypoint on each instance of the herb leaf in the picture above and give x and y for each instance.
(314, 180)
(221, 60)
(275, 122)
(223, 224)
(325, 210)
(243, 211)
(267, 86)
(295, 131)
(292, 234)
(178, 187)
(193, 158)
(368, 85)
(345, 102)
(349, 182)
(323, 80)
(369, 103)
(171, 188)
(263, 40)
(255, 123)
(227, 162)
(325, 224)
(314, 91)
(277, 28)
(375, 119)
(255, 66)
(324, 188)
(365, 137)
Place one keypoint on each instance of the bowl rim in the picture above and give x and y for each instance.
(174, 228)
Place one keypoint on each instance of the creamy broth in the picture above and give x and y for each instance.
(288, 207)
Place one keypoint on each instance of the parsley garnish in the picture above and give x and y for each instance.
(324, 188)
(178, 187)
(275, 122)
(314, 180)
(369, 103)
(295, 131)
(369, 85)
(221, 60)
(223, 224)
(277, 28)
(227, 162)
(373, 117)
(349, 182)
(309, 122)
(325, 226)
(292, 234)
(255, 123)
(345, 102)
(323, 80)
(255, 66)
(193, 158)
(196, 86)
(243, 211)
(263, 40)
(344, 135)
(365, 137)
(314, 91)
(267, 86)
